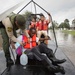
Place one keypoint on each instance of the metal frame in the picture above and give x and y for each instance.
(47, 13)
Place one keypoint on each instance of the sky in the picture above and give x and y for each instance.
(59, 9)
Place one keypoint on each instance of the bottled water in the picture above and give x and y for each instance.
(23, 59)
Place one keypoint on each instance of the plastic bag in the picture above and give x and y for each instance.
(19, 50)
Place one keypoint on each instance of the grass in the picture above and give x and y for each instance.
(72, 32)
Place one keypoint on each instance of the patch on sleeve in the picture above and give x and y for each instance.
(9, 29)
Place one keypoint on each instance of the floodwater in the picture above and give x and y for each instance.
(66, 42)
(63, 38)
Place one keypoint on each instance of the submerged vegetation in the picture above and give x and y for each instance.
(72, 32)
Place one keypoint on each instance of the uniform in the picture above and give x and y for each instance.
(8, 30)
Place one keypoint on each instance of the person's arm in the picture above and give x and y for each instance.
(49, 18)
(9, 30)
(29, 25)
(26, 33)
(42, 39)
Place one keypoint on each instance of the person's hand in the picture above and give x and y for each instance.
(28, 40)
(13, 46)
(49, 38)
(46, 38)
(22, 43)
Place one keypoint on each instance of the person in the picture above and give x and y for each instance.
(8, 27)
(33, 23)
(37, 51)
(42, 25)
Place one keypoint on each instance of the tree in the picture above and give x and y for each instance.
(65, 24)
(27, 14)
(73, 23)
(28, 18)
(55, 24)
(62, 25)
(66, 21)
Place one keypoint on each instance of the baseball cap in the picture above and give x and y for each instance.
(21, 21)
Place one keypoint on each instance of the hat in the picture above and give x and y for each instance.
(41, 15)
(21, 21)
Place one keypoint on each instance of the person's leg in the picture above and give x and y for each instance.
(44, 49)
(45, 61)
(17, 62)
(46, 35)
(39, 35)
(6, 45)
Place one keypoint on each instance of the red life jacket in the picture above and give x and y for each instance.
(42, 25)
(33, 24)
(31, 44)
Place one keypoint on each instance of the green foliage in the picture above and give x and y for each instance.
(69, 32)
(65, 24)
(55, 24)
(27, 14)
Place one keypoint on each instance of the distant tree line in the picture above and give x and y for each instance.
(65, 24)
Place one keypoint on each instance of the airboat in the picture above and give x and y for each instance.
(34, 67)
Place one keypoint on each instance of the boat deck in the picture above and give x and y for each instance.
(40, 70)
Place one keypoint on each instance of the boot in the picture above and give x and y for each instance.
(56, 69)
(57, 61)
(9, 62)
(54, 60)
(52, 68)
(50, 54)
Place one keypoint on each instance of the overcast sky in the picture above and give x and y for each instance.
(59, 9)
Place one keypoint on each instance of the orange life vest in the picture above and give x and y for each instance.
(42, 25)
(33, 24)
(31, 44)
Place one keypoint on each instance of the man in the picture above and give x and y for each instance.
(33, 23)
(8, 27)
(39, 49)
(42, 25)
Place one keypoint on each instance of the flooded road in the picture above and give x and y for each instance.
(66, 42)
